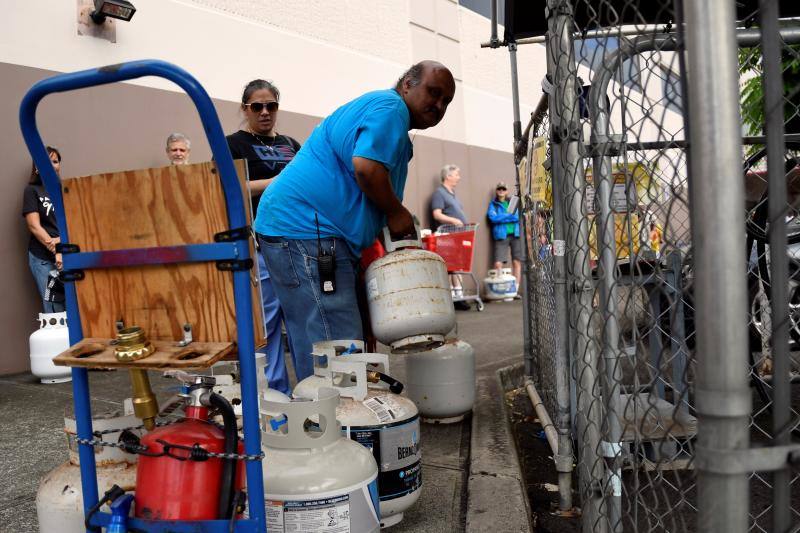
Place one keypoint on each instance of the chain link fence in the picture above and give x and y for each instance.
(618, 341)
(540, 277)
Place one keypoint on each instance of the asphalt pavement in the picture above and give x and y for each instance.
(471, 479)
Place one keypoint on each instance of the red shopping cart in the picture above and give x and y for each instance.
(456, 245)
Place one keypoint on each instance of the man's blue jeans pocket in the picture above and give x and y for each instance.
(280, 261)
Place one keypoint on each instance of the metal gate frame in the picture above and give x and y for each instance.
(723, 455)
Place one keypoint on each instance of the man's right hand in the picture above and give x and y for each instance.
(401, 223)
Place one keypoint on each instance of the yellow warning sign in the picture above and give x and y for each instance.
(541, 186)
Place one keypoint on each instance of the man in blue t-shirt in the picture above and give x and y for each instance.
(330, 202)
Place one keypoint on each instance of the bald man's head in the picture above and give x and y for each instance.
(427, 88)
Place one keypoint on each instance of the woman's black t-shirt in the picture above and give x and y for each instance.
(35, 200)
(265, 156)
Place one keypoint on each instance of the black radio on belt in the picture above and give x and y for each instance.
(326, 263)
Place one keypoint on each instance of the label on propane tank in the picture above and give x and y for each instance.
(502, 287)
(385, 408)
(372, 289)
(352, 511)
(396, 450)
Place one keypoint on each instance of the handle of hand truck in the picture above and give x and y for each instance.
(236, 217)
(122, 72)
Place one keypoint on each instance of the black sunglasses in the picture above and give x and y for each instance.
(258, 107)
(501, 189)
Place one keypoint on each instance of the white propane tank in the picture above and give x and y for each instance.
(315, 480)
(442, 381)
(48, 341)
(385, 423)
(59, 500)
(408, 292)
(228, 384)
(500, 285)
(322, 353)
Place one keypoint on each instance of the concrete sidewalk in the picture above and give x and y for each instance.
(470, 475)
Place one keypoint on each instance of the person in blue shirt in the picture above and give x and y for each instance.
(505, 231)
(331, 201)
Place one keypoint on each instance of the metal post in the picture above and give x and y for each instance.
(493, 41)
(526, 288)
(678, 337)
(565, 119)
(777, 206)
(607, 274)
(562, 352)
(512, 52)
(563, 454)
(723, 395)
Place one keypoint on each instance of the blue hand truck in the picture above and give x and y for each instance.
(233, 251)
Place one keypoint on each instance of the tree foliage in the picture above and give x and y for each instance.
(752, 89)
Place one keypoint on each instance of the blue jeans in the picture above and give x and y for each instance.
(277, 376)
(40, 268)
(310, 314)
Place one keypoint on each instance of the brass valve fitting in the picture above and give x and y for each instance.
(132, 345)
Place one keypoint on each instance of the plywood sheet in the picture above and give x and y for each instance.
(165, 206)
(99, 353)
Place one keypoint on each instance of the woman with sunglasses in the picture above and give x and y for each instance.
(267, 153)
(505, 231)
(41, 220)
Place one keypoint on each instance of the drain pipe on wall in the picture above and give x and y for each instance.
(547, 424)
(563, 467)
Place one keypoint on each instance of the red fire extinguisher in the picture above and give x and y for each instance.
(175, 477)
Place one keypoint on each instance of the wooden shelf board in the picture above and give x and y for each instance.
(99, 353)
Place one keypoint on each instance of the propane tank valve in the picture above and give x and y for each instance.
(132, 345)
(376, 377)
(198, 387)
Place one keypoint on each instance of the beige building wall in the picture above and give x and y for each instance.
(319, 53)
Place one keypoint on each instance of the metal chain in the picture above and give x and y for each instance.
(130, 448)
(139, 449)
(142, 450)
(237, 456)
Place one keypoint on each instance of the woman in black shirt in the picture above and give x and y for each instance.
(41, 220)
(267, 152)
